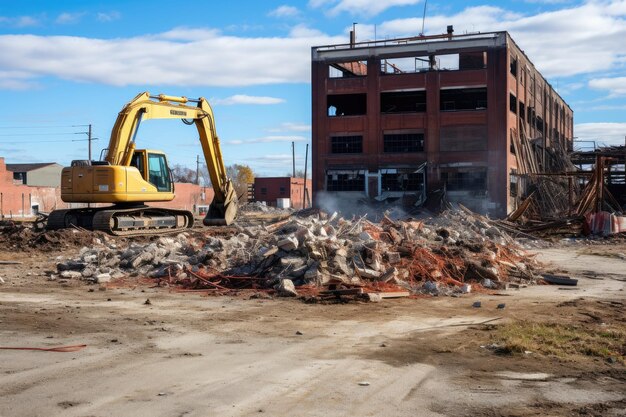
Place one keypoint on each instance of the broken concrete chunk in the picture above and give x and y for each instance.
(102, 278)
(71, 274)
(374, 297)
(393, 257)
(286, 288)
(288, 244)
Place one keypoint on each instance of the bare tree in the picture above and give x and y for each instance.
(241, 176)
(183, 174)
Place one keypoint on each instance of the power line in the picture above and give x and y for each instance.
(40, 134)
(40, 127)
(44, 141)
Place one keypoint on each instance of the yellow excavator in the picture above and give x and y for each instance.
(128, 177)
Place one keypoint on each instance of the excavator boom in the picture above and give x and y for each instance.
(128, 177)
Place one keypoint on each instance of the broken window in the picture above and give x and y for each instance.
(465, 179)
(472, 60)
(347, 69)
(403, 102)
(402, 179)
(453, 99)
(539, 124)
(513, 66)
(403, 142)
(346, 144)
(404, 65)
(344, 180)
(522, 111)
(513, 180)
(347, 104)
(463, 138)
(512, 103)
(512, 141)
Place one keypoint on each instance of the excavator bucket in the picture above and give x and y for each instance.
(223, 213)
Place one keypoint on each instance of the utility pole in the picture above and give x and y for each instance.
(304, 190)
(197, 169)
(89, 141)
(293, 153)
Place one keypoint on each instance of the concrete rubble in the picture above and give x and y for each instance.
(321, 256)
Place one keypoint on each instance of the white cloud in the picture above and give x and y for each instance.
(244, 99)
(19, 22)
(615, 86)
(68, 18)
(359, 7)
(16, 80)
(570, 41)
(284, 11)
(602, 133)
(108, 17)
(204, 57)
(547, 1)
(292, 127)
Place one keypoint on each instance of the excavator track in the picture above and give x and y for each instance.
(123, 221)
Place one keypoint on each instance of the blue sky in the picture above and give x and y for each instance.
(69, 63)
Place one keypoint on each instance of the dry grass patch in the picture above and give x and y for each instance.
(562, 340)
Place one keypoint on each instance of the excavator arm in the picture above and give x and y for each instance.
(223, 209)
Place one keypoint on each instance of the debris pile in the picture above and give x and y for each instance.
(321, 256)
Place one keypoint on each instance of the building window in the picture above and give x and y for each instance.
(346, 104)
(401, 180)
(282, 190)
(263, 191)
(403, 142)
(454, 99)
(469, 180)
(512, 103)
(346, 144)
(513, 66)
(347, 69)
(345, 181)
(522, 111)
(403, 102)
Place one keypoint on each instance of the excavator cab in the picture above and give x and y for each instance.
(153, 168)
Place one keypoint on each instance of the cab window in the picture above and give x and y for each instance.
(158, 173)
(137, 162)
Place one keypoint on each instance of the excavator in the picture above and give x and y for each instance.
(128, 178)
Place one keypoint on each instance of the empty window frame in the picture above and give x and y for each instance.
(407, 65)
(403, 142)
(513, 66)
(522, 111)
(402, 180)
(343, 180)
(403, 101)
(347, 104)
(347, 69)
(472, 60)
(465, 179)
(264, 190)
(346, 144)
(512, 103)
(454, 99)
(282, 190)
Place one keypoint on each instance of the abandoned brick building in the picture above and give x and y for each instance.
(411, 116)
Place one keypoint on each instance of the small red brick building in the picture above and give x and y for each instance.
(269, 189)
(18, 200)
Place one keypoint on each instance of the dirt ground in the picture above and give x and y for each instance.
(188, 354)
